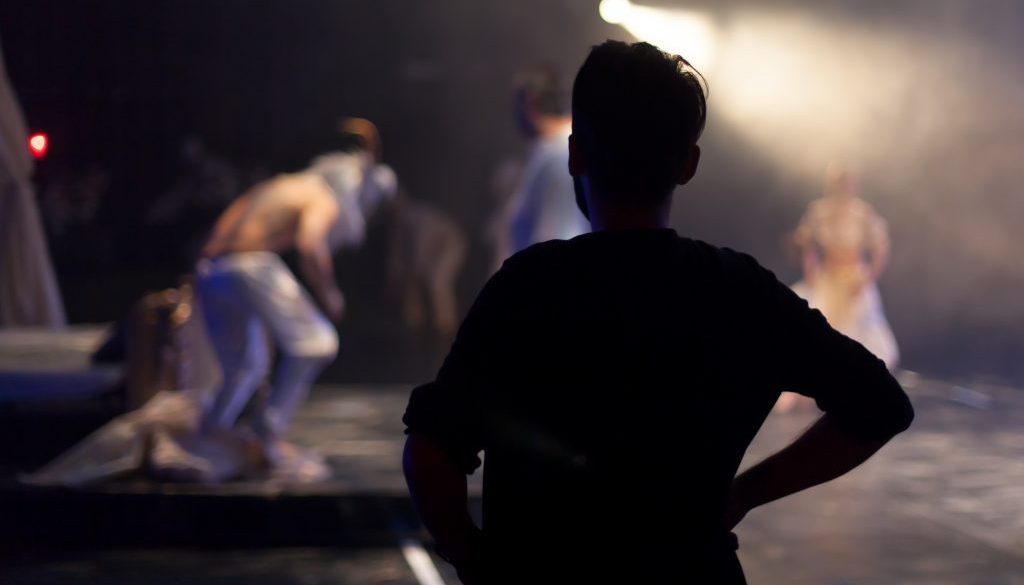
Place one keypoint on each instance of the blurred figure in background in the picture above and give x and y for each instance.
(179, 220)
(542, 206)
(206, 185)
(28, 287)
(425, 256)
(248, 294)
(70, 201)
(844, 248)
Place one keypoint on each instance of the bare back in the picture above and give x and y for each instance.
(266, 217)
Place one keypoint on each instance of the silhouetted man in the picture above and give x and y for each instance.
(615, 380)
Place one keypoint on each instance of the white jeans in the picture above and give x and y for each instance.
(246, 298)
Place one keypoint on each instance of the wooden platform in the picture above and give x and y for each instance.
(48, 364)
(357, 428)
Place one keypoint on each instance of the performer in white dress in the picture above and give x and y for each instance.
(844, 247)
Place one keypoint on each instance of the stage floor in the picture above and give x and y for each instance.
(943, 504)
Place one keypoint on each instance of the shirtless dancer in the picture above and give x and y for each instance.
(248, 294)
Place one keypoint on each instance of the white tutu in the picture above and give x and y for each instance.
(853, 309)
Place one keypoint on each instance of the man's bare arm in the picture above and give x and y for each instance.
(822, 453)
(439, 492)
(315, 257)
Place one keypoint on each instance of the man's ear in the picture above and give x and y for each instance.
(576, 162)
(690, 168)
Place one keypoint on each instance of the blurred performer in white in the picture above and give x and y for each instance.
(28, 288)
(543, 204)
(248, 294)
(844, 248)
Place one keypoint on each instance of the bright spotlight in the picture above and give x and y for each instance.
(683, 32)
(37, 144)
(614, 11)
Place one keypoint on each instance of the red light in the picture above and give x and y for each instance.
(37, 144)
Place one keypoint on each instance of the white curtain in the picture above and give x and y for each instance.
(28, 287)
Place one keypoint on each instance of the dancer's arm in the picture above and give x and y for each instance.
(809, 261)
(315, 259)
(803, 239)
(879, 249)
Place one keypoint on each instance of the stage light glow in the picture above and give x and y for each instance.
(684, 32)
(614, 11)
(37, 144)
(787, 81)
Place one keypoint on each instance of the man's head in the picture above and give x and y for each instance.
(364, 136)
(359, 190)
(540, 99)
(637, 113)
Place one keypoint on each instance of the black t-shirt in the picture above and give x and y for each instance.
(615, 380)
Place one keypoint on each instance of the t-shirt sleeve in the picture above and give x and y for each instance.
(802, 353)
(451, 409)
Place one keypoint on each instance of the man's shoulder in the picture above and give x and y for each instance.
(537, 263)
(697, 249)
(733, 273)
(536, 255)
(693, 254)
(721, 257)
(293, 189)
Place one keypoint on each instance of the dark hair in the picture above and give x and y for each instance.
(541, 85)
(636, 113)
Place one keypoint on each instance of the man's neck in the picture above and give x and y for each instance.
(606, 216)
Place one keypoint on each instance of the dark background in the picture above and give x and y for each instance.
(923, 97)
